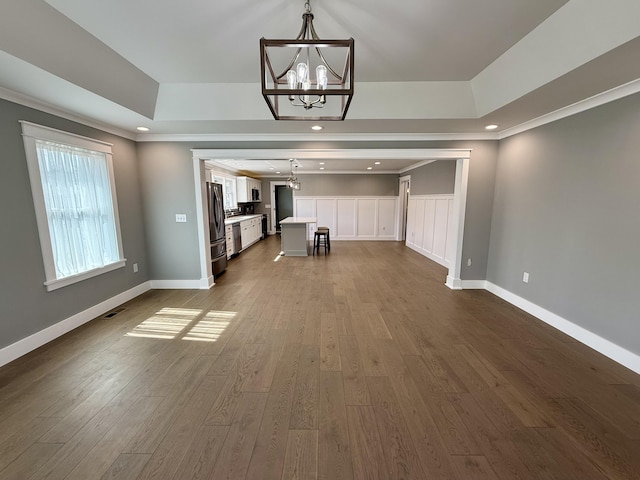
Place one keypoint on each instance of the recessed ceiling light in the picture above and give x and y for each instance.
(491, 127)
(278, 173)
(377, 163)
(321, 168)
(142, 129)
(271, 168)
(369, 168)
(321, 163)
(317, 128)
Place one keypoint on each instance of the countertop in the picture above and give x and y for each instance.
(299, 220)
(240, 218)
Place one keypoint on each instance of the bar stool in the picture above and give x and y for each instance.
(325, 229)
(320, 238)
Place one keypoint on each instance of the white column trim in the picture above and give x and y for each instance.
(206, 272)
(459, 209)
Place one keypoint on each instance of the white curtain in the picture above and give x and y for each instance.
(77, 195)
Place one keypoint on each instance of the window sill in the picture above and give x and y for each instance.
(63, 282)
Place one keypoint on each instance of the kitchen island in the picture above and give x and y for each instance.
(294, 237)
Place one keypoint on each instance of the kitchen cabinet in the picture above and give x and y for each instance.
(248, 189)
(251, 231)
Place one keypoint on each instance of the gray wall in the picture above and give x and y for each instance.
(437, 178)
(348, 185)
(477, 223)
(25, 304)
(173, 247)
(566, 210)
(168, 188)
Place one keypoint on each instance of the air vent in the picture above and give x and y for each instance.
(113, 313)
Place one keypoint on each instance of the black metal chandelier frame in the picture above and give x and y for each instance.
(276, 88)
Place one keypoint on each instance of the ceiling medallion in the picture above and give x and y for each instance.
(286, 67)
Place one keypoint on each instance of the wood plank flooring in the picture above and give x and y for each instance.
(358, 365)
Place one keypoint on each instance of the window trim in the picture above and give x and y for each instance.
(212, 173)
(32, 132)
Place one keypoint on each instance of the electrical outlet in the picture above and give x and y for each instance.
(469, 262)
(525, 277)
(135, 268)
(181, 218)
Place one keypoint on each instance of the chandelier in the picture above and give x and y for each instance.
(292, 181)
(286, 67)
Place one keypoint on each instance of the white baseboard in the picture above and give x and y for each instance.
(605, 347)
(366, 238)
(201, 284)
(430, 256)
(30, 343)
(454, 283)
(474, 285)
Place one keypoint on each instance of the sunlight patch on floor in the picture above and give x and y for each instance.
(184, 323)
(210, 327)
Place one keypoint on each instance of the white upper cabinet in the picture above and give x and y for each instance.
(249, 189)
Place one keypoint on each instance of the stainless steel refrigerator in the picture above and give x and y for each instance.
(217, 228)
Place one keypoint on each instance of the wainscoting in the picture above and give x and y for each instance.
(429, 226)
(352, 218)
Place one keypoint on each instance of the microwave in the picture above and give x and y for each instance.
(255, 195)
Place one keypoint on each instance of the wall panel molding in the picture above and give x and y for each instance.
(429, 224)
(351, 218)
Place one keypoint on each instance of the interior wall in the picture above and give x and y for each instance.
(167, 188)
(436, 178)
(172, 170)
(566, 212)
(27, 307)
(481, 185)
(352, 185)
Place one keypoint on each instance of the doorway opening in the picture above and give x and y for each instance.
(460, 156)
(403, 192)
(283, 204)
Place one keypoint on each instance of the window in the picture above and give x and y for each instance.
(75, 201)
(228, 188)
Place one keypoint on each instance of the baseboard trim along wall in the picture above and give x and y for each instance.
(30, 343)
(198, 284)
(602, 345)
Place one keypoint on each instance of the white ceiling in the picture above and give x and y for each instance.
(189, 70)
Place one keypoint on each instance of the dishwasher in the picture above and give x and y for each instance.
(237, 239)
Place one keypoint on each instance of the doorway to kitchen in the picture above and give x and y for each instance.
(283, 204)
(403, 195)
(420, 155)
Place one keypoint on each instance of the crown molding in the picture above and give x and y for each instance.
(418, 154)
(313, 137)
(30, 102)
(578, 107)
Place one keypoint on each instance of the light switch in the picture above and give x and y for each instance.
(181, 218)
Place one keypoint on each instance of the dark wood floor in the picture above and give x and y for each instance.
(357, 365)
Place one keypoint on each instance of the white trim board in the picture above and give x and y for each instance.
(606, 347)
(197, 284)
(32, 342)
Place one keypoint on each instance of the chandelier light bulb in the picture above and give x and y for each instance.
(303, 72)
(321, 77)
(292, 79)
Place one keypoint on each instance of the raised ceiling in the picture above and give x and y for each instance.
(190, 69)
